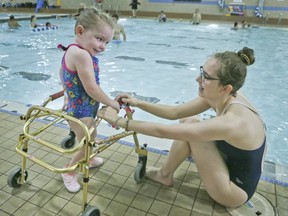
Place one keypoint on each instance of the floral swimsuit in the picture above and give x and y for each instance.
(80, 104)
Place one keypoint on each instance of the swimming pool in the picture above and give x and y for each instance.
(159, 62)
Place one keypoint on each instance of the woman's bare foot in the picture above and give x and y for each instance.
(155, 174)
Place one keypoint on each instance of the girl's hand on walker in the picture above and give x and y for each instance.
(108, 114)
(115, 105)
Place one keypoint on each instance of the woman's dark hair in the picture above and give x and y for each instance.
(233, 67)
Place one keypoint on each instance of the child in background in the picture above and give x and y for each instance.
(79, 74)
(119, 29)
(33, 20)
(235, 26)
(12, 23)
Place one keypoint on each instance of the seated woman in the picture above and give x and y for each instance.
(228, 150)
(12, 23)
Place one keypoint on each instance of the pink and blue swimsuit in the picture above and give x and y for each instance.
(80, 104)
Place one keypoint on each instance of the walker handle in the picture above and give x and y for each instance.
(57, 95)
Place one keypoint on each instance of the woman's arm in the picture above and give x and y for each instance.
(174, 112)
(218, 128)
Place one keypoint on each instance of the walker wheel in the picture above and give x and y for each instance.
(91, 211)
(68, 141)
(139, 173)
(14, 178)
(140, 170)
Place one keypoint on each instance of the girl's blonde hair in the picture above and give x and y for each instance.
(89, 17)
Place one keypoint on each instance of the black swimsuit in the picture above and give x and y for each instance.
(245, 166)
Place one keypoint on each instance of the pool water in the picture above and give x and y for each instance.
(158, 63)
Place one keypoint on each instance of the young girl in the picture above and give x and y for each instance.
(79, 75)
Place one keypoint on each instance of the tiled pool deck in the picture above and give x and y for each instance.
(112, 187)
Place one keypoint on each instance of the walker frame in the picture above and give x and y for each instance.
(19, 176)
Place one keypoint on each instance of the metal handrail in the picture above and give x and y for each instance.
(280, 18)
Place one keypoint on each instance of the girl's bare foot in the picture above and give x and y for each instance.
(155, 174)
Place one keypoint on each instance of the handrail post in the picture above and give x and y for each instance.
(117, 9)
(267, 17)
(280, 18)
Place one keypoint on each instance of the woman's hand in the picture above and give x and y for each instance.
(108, 113)
(127, 99)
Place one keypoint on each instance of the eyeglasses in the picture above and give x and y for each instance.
(204, 75)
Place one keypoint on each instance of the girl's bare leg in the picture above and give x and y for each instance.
(70, 179)
(89, 122)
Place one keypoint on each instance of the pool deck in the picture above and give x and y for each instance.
(112, 187)
(28, 17)
(206, 18)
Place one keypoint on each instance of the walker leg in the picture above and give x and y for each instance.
(140, 169)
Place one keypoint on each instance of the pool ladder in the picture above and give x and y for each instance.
(279, 18)
(267, 17)
(117, 11)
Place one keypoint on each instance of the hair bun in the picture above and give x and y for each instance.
(247, 55)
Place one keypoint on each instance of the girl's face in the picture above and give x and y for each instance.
(94, 40)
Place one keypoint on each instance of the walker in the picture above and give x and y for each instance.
(32, 132)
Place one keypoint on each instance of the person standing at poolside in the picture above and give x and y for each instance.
(196, 19)
(162, 17)
(12, 23)
(134, 5)
(119, 29)
(228, 150)
(79, 74)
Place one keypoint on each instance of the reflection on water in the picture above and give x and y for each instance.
(158, 63)
(33, 76)
(134, 94)
(130, 58)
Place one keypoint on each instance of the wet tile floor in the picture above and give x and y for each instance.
(112, 187)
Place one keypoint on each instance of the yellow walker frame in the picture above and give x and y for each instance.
(19, 176)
